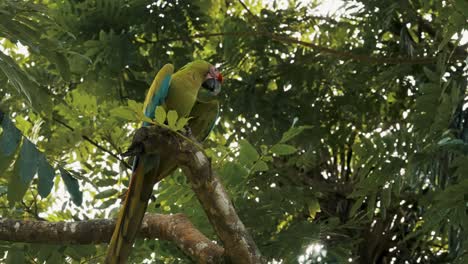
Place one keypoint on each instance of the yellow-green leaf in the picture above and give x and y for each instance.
(160, 115)
(182, 122)
(172, 119)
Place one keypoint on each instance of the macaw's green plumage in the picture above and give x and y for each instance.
(177, 92)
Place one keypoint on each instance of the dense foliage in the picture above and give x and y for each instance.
(342, 137)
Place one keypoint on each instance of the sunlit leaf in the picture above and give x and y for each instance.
(172, 119)
(160, 115)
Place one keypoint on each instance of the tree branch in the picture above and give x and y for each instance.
(239, 246)
(176, 228)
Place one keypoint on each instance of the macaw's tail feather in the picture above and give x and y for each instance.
(132, 212)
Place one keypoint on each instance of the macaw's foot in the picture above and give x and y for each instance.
(188, 132)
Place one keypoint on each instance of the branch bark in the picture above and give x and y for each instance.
(176, 228)
(239, 246)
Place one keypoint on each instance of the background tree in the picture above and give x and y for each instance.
(342, 137)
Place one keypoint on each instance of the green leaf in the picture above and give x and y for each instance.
(15, 256)
(293, 132)
(27, 161)
(283, 149)
(16, 187)
(181, 123)
(356, 205)
(107, 203)
(386, 198)
(105, 194)
(72, 186)
(172, 119)
(124, 113)
(314, 208)
(106, 182)
(10, 139)
(62, 65)
(79, 252)
(247, 154)
(34, 94)
(46, 174)
(147, 119)
(260, 166)
(135, 106)
(234, 173)
(432, 76)
(160, 115)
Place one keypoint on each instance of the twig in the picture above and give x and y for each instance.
(94, 143)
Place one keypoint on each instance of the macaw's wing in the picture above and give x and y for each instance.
(158, 91)
(204, 115)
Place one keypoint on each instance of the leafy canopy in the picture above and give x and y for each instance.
(342, 137)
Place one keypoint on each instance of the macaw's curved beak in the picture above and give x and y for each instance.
(212, 85)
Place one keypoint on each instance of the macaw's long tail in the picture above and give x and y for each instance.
(132, 212)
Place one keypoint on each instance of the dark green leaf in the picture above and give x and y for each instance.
(106, 182)
(10, 137)
(105, 194)
(46, 174)
(72, 186)
(283, 149)
(260, 166)
(293, 132)
(27, 161)
(15, 256)
(33, 94)
(247, 154)
(62, 65)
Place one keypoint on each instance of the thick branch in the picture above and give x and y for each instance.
(239, 246)
(176, 228)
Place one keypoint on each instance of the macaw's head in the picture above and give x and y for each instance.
(213, 80)
(209, 77)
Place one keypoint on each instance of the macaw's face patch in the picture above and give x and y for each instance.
(213, 81)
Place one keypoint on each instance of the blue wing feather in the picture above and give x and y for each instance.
(158, 98)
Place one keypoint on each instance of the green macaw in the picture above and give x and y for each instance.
(179, 92)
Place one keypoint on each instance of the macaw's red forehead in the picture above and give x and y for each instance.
(215, 74)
